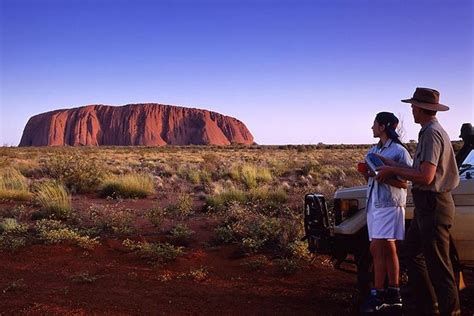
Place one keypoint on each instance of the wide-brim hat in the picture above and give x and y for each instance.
(428, 99)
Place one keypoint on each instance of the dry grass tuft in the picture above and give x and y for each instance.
(54, 199)
(133, 185)
(13, 185)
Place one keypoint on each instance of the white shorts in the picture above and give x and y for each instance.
(385, 222)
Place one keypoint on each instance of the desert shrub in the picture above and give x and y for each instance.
(13, 185)
(256, 263)
(309, 167)
(217, 202)
(331, 172)
(106, 219)
(156, 216)
(256, 231)
(200, 274)
(77, 172)
(11, 225)
(298, 250)
(278, 167)
(251, 244)
(183, 206)
(54, 199)
(287, 266)
(158, 252)
(55, 232)
(211, 163)
(181, 234)
(165, 170)
(133, 185)
(194, 176)
(12, 234)
(122, 221)
(224, 234)
(84, 277)
(211, 158)
(19, 212)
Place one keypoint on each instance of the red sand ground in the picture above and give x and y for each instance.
(45, 279)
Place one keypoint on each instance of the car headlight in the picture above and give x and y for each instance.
(345, 208)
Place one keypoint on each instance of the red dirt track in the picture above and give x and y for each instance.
(125, 284)
(109, 280)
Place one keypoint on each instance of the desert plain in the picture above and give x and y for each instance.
(170, 230)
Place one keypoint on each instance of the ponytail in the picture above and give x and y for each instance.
(390, 121)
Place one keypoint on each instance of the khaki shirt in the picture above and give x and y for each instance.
(435, 147)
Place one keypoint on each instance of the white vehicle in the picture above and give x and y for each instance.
(342, 231)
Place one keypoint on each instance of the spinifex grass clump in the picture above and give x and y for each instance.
(54, 199)
(268, 197)
(251, 175)
(78, 172)
(219, 201)
(13, 185)
(133, 185)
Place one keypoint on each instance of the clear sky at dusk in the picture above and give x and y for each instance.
(295, 72)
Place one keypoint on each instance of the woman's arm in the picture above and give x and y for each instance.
(397, 183)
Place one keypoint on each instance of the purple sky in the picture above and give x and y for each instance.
(295, 72)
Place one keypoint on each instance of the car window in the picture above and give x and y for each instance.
(467, 164)
(469, 159)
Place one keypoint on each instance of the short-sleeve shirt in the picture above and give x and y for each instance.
(385, 195)
(435, 147)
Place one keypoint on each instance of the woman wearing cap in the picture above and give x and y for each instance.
(386, 216)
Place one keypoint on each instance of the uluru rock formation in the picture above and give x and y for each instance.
(133, 124)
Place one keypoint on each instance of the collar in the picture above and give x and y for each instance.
(387, 144)
(435, 120)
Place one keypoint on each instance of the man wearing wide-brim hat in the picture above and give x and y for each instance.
(434, 174)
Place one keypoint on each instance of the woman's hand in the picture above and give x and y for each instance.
(387, 161)
(384, 173)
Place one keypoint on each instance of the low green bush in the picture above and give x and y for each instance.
(156, 216)
(12, 234)
(183, 206)
(107, 219)
(199, 274)
(287, 266)
(257, 231)
(55, 232)
(78, 172)
(181, 234)
(158, 252)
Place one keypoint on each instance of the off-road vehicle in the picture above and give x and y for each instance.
(341, 231)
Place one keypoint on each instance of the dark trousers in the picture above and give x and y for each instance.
(426, 253)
